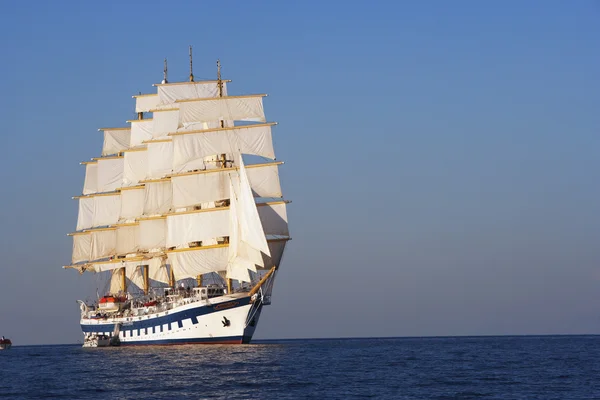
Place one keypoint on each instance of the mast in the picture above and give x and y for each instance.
(220, 85)
(191, 73)
(146, 279)
(123, 280)
(141, 113)
(171, 278)
(165, 73)
(223, 156)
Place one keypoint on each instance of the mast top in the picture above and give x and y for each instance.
(219, 81)
(165, 73)
(191, 73)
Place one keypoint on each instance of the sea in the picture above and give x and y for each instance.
(504, 367)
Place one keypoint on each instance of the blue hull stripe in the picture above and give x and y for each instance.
(214, 340)
(170, 319)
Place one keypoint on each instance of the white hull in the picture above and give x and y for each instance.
(5, 346)
(226, 319)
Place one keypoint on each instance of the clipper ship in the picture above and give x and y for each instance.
(183, 213)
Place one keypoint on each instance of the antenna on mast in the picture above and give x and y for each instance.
(223, 156)
(165, 73)
(219, 81)
(191, 73)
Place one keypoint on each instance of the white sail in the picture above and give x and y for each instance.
(205, 224)
(213, 185)
(247, 237)
(158, 270)
(146, 102)
(135, 168)
(106, 209)
(135, 274)
(132, 203)
(110, 173)
(141, 130)
(115, 280)
(170, 93)
(237, 265)
(250, 226)
(158, 197)
(127, 263)
(198, 226)
(104, 243)
(160, 159)
(165, 122)
(85, 218)
(276, 248)
(116, 141)
(90, 184)
(126, 240)
(237, 108)
(191, 147)
(189, 263)
(273, 218)
(152, 234)
(82, 246)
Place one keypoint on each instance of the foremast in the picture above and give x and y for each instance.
(156, 206)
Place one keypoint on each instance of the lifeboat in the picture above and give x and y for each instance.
(111, 303)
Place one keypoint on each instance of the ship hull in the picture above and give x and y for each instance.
(229, 320)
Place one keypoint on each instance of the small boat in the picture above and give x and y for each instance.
(5, 344)
(94, 340)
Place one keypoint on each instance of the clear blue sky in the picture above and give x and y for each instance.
(442, 157)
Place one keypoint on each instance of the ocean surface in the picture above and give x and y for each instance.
(520, 367)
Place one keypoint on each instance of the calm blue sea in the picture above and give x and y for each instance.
(525, 367)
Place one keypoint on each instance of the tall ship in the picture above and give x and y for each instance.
(182, 216)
